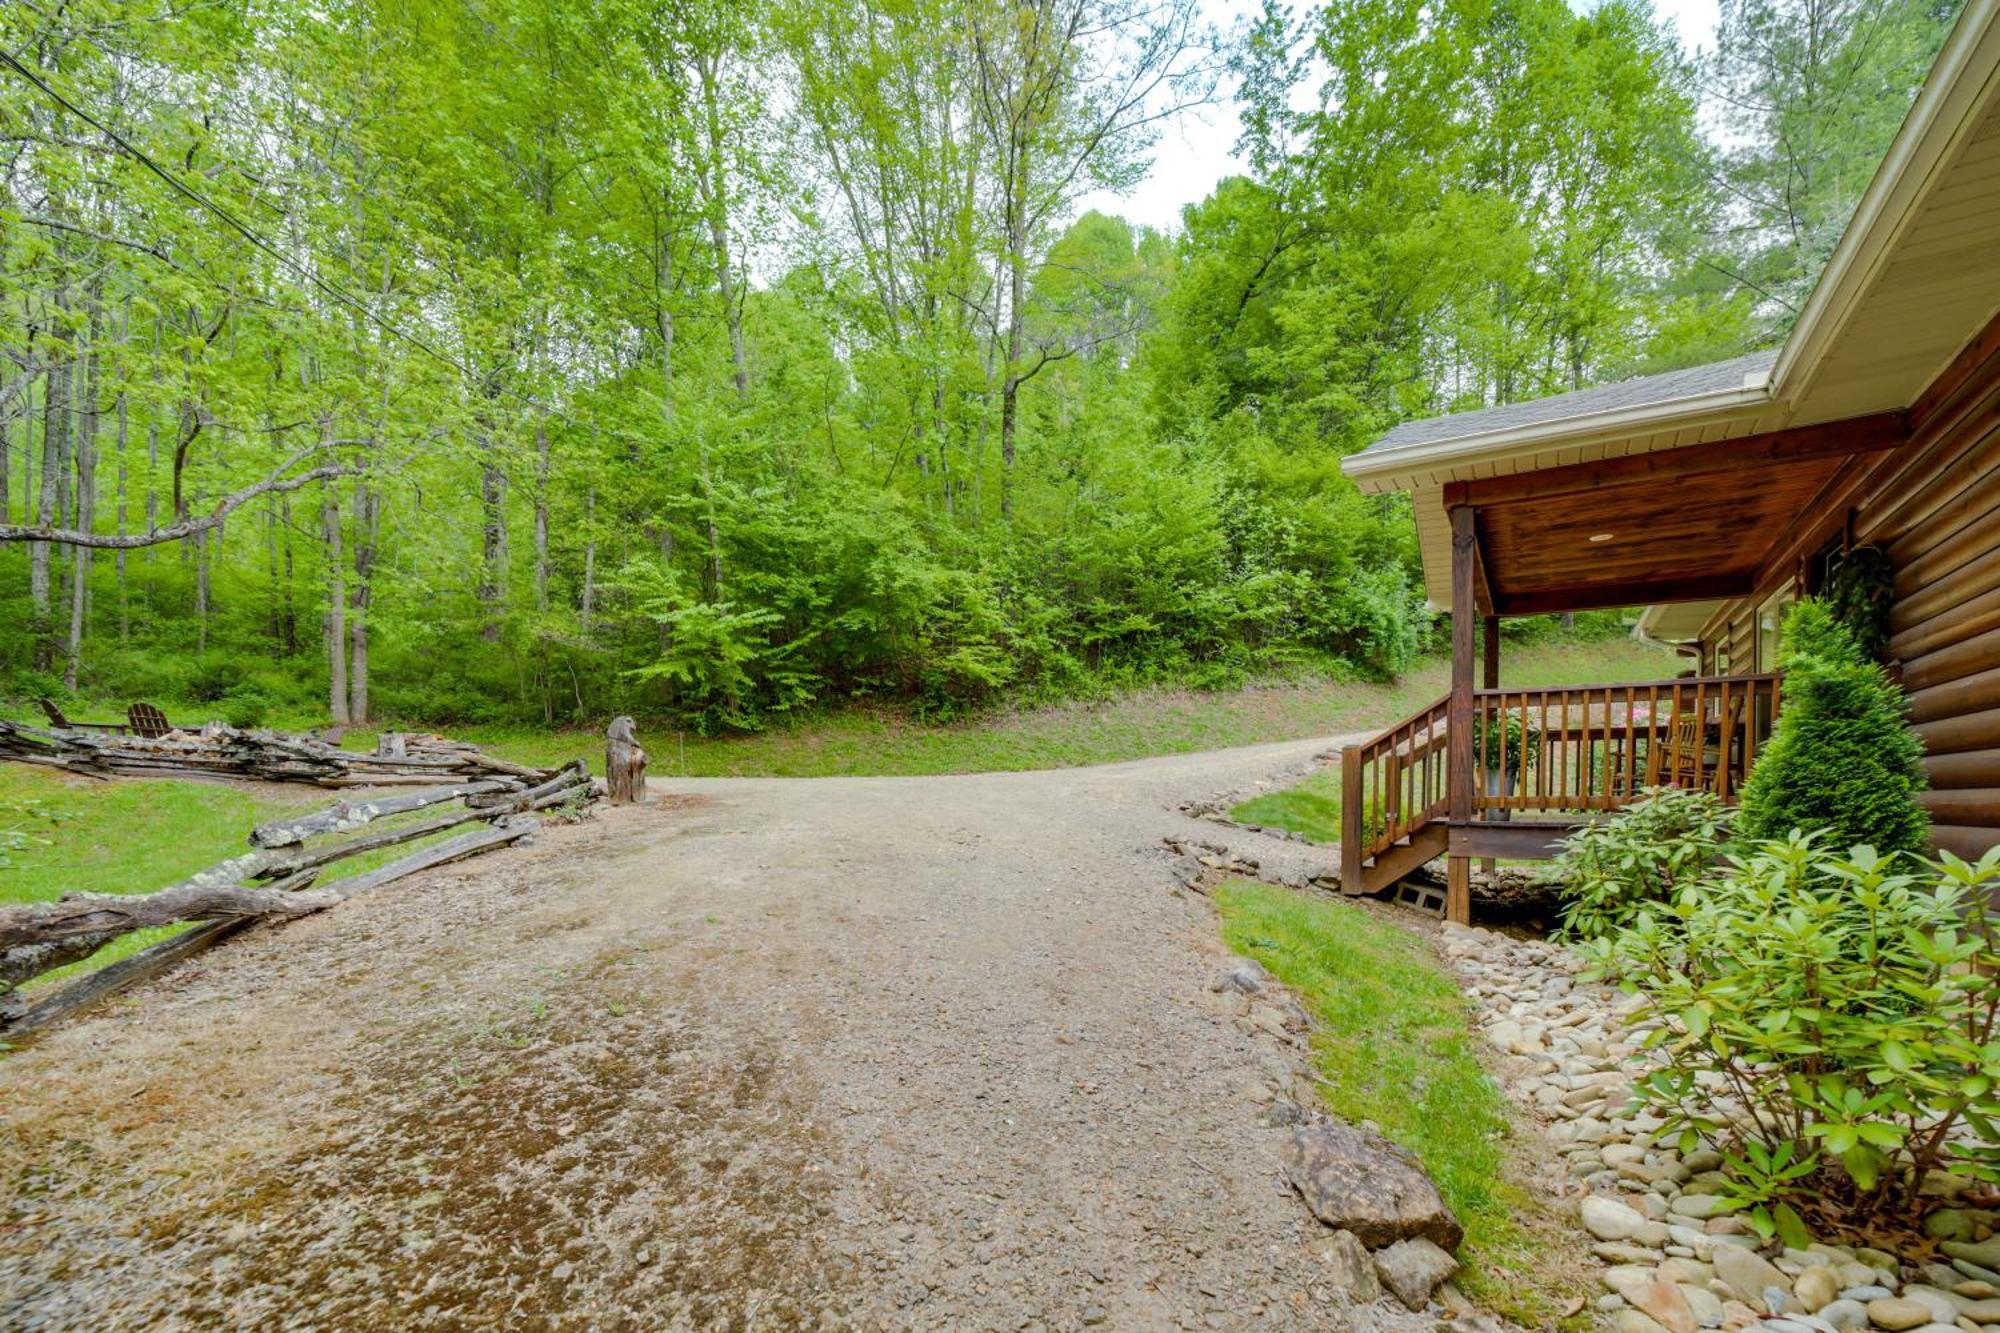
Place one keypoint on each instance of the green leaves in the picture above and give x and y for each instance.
(1843, 1001)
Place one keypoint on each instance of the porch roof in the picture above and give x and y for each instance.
(1915, 277)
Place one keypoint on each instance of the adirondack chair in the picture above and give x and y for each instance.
(63, 723)
(147, 720)
(1700, 757)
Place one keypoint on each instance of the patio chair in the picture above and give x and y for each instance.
(147, 720)
(1697, 757)
(62, 723)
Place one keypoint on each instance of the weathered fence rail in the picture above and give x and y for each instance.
(276, 879)
(217, 751)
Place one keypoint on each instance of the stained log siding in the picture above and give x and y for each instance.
(1933, 506)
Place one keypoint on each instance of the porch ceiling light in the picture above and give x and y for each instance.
(1602, 536)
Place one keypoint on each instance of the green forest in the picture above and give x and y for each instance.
(517, 361)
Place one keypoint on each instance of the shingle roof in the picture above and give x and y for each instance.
(1641, 392)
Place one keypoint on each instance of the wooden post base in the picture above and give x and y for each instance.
(1458, 890)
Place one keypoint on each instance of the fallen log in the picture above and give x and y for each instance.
(344, 815)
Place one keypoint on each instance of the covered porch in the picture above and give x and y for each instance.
(1490, 771)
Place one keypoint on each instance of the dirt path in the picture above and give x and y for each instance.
(897, 1052)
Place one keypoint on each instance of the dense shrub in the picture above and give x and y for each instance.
(1829, 1016)
(1648, 855)
(1842, 758)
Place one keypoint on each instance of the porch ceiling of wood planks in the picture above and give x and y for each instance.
(1692, 524)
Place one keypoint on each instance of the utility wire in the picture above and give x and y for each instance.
(250, 234)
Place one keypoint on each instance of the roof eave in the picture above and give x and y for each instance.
(1381, 470)
(1938, 122)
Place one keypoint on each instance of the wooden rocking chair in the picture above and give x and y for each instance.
(1693, 760)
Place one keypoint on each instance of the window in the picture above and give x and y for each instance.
(1770, 616)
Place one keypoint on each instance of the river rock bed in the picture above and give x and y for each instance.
(1673, 1261)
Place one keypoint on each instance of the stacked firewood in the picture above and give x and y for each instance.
(218, 751)
(276, 878)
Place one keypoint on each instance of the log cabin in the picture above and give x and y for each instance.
(1712, 497)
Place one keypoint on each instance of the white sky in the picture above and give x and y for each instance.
(1194, 152)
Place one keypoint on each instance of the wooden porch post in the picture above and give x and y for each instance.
(1489, 679)
(1458, 749)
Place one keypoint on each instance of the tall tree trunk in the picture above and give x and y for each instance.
(367, 528)
(589, 558)
(86, 510)
(336, 606)
(289, 607)
(203, 558)
(493, 542)
(541, 511)
(124, 470)
(55, 433)
(715, 184)
(1017, 332)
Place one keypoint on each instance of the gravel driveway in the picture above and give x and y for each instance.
(840, 1053)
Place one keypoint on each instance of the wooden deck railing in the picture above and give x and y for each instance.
(1392, 786)
(1558, 752)
(1570, 749)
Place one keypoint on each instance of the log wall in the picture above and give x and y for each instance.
(1934, 507)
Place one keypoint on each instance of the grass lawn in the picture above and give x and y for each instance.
(1394, 1044)
(125, 836)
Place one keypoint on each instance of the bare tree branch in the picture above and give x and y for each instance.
(276, 484)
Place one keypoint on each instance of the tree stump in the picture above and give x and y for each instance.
(624, 763)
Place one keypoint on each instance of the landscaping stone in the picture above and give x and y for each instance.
(1413, 1269)
(1748, 1274)
(1664, 1301)
(1673, 1257)
(1896, 1314)
(1816, 1287)
(1707, 1306)
(1355, 1180)
(1985, 1253)
(1608, 1219)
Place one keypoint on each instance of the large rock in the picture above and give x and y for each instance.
(1413, 1269)
(1360, 1182)
(1610, 1220)
(1749, 1274)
